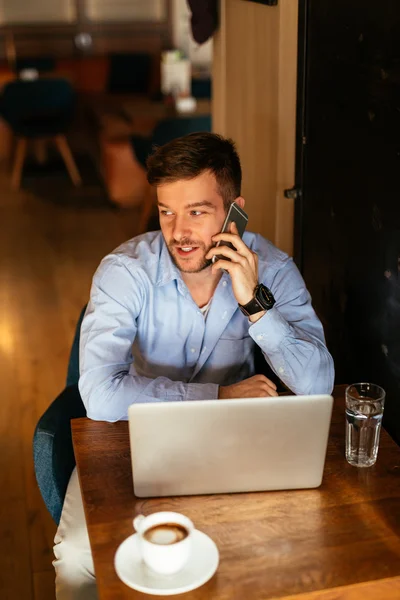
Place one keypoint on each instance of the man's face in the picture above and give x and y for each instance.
(191, 213)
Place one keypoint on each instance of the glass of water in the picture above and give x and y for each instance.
(364, 412)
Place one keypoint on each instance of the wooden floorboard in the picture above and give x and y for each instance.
(43, 584)
(15, 571)
(48, 254)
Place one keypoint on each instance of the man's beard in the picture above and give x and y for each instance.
(203, 264)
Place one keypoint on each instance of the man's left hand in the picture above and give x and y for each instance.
(242, 266)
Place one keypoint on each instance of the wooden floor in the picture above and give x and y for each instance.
(48, 254)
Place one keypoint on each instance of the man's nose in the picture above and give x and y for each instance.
(181, 228)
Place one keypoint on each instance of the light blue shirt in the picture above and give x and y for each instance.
(144, 339)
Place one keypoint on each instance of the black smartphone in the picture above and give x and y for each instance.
(238, 216)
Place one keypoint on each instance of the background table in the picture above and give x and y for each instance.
(342, 538)
(124, 115)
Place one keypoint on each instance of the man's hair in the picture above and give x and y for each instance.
(189, 156)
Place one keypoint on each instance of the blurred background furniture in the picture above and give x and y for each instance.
(39, 110)
(123, 125)
(41, 64)
(130, 73)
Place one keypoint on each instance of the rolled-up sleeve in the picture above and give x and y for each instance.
(292, 338)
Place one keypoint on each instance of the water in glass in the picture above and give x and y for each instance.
(363, 427)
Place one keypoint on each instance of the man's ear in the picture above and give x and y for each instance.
(240, 201)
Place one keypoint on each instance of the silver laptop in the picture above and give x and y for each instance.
(223, 446)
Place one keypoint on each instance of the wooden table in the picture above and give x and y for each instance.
(338, 542)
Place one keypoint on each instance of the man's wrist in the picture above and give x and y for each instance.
(257, 316)
(262, 301)
(221, 392)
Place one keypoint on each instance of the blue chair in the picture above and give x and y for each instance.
(53, 453)
(39, 110)
(164, 132)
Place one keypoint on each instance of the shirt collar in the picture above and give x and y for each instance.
(167, 270)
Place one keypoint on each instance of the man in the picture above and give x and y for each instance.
(164, 323)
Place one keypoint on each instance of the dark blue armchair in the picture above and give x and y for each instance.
(39, 110)
(53, 453)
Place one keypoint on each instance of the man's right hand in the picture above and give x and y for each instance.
(257, 386)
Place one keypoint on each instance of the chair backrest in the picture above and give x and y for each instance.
(22, 100)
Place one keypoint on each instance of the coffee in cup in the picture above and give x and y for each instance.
(166, 533)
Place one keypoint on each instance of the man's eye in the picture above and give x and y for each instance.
(196, 213)
(166, 213)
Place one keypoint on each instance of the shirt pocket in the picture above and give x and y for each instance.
(234, 352)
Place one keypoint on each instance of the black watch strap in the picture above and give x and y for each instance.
(263, 300)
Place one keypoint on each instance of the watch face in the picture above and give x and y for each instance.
(263, 300)
(265, 296)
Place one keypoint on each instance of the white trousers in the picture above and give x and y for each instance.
(75, 579)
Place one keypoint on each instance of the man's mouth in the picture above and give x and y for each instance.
(186, 250)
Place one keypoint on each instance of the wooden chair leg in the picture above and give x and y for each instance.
(62, 145)
(18, 163)
(40, 150)
(6, 141)
(145, 215)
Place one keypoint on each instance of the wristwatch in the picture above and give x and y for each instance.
(263, 300)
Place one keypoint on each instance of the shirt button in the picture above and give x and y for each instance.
(224, 283)
(260, 336)
(281, 370)
(193, 350)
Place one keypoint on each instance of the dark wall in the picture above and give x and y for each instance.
(350, 234)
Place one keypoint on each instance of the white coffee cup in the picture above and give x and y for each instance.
(165, 541)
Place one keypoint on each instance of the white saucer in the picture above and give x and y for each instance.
(201, 566)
